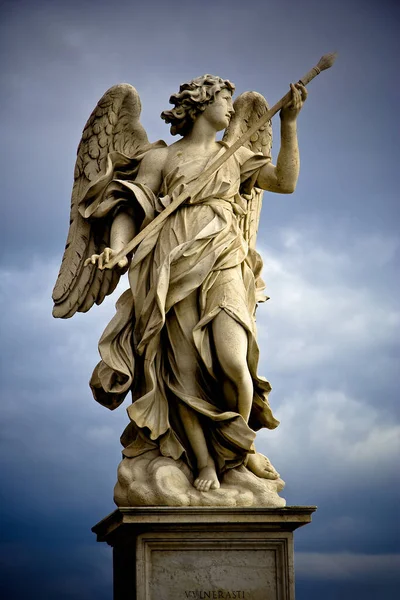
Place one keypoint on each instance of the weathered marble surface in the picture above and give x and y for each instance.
(199, 554)
(183, 340)
(155, 480)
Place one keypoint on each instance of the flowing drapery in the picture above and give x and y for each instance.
(180, 279)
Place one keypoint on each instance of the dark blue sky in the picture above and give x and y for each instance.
(329, 335)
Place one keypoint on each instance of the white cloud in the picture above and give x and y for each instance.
(346, 566)
(98, 435)
(47, 406)
(327, 342)
(328, 433)
(26, 308)
(319, 311)
(332, 438)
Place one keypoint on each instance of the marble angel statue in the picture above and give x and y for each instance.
(183, 339)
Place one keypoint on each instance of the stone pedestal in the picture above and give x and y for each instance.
(164, 553)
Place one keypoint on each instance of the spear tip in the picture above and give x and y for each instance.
(327, 61)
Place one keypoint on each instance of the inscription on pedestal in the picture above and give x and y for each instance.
(214, 568)
(189, 553)
(215, 594)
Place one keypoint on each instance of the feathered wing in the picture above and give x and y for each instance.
(249, 107)
(113, 126)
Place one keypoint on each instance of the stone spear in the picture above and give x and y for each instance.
(194, 187)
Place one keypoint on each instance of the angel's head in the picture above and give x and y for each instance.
(192, 99)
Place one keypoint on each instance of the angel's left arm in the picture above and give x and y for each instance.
(282, 177)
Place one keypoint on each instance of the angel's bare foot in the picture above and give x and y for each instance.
(260, 466)
(207, 479)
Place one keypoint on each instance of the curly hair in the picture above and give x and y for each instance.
(193, 97)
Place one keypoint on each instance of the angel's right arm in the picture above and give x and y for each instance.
(151, 169)
(123, 230)
(282, 178)
(123, 227)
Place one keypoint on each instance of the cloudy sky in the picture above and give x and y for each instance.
(329, 335)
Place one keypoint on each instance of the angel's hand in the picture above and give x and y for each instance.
(102, 259)
(299, 95)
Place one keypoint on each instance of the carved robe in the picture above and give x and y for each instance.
(180, 279)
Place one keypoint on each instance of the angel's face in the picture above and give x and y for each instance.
(219, 112)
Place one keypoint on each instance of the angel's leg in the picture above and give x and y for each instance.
(186, 369)
(231, 345)
(207, 476)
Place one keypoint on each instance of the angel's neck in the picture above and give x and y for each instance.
(202, 135)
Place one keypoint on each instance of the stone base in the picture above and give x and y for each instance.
(174, 553)
(154, 480)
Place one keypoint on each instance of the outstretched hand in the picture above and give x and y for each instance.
(102, 259)
(299, 95)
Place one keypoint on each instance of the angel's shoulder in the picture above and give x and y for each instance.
(155, 158)
(243, 154)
